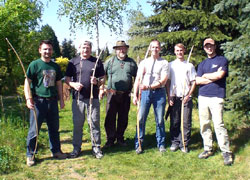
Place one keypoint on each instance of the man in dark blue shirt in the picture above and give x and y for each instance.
(211, 76)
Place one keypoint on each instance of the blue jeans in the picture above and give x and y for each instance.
(47, 110)
(158, 99)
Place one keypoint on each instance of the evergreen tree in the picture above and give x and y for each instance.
(68, 49)
(48, 33)
(185, 21)
(238, 53)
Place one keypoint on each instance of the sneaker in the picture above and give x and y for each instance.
(97, 152)
(74, 154)
(228, 158)
(109, 144)
(205, 154)
(138, 150)
(30, 161)
(186, 150)
(174, 148)
(59, 155)
(162, 149)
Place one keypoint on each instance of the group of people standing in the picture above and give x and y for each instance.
(153, 82)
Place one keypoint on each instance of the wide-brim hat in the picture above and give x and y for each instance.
(209, 41)
(120, 44)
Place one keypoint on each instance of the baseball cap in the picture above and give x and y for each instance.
(209, 41)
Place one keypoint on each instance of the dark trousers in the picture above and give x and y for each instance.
(175, 122)
(47, 110)
(117, 105)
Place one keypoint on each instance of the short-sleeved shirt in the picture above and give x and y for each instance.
(216, 88)
(120, 73)
(44, 76)
(87, 66)
(181, 73)
(153, 70)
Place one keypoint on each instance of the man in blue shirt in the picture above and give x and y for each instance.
(211, 76)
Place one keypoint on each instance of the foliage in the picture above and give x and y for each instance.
(63, 62)
(48, 33)
(68, 49)
(89, 13)
(185, 21)
(238, 53)
(7, 160)
(18, 21)
(137, 43)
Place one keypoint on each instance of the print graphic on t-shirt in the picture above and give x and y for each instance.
(49, 77)
(214, 65)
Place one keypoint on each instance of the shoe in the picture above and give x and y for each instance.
(97, 152)
(74, 154)
(228, 158)
(162, 149)
(186, 150)
(122, 143)
(174, 148)
(109, 144)
(205, 154)
(139, 150)
(59, 155)
(30, 161)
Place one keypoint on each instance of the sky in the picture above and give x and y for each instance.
(62, 31)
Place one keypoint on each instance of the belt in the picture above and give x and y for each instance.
(155, 89)
(46, 98)
(117, 92)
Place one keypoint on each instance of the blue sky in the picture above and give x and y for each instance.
(62, 31)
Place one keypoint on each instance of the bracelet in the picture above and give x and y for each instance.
(28, 99)
(159, 82)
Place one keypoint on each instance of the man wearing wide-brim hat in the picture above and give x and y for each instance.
(120, 71)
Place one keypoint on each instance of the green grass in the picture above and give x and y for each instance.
(124, 163)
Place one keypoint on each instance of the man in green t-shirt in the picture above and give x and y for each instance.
(120, 71)
(44, 78)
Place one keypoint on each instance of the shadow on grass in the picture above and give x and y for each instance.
(240, 139)
(148, 143)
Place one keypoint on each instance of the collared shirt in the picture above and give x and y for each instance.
(153, 70)
(120, 73)
(181, 73)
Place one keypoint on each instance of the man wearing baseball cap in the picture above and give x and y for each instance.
(120, 71)
(211, 76)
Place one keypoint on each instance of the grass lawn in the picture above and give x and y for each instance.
(124, 163)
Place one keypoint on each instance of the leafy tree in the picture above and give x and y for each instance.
(48, 33)
(89, 13)
(18, 21)
(238, 53)
(68, 49)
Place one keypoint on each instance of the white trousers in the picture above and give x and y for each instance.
(211, 108)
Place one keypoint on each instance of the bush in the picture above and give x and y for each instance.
(7, 160)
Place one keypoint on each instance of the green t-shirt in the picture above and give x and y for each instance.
(44, 76)
(120, 73)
